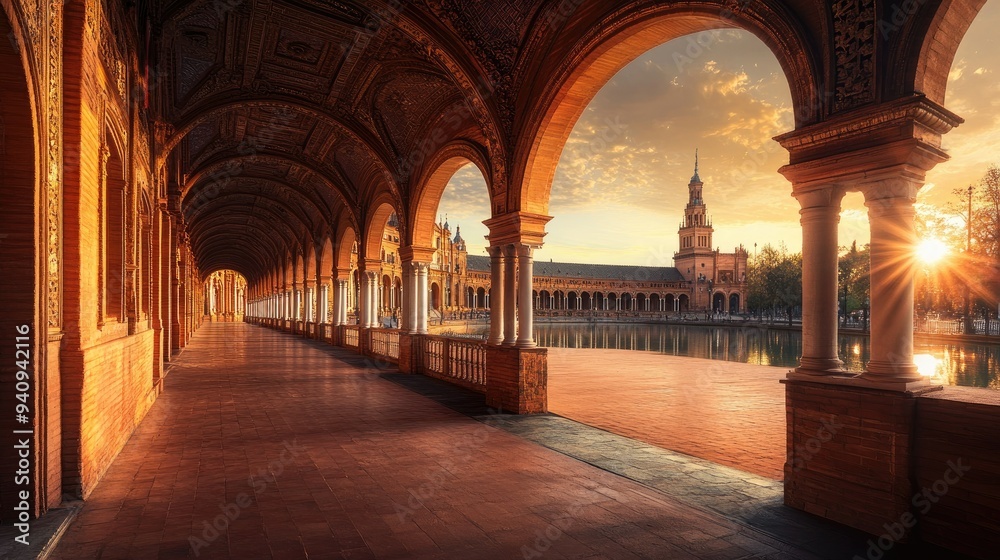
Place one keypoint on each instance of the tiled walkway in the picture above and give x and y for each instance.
(294, 450)
(729, 413)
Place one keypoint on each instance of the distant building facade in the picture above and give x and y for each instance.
(702, 279)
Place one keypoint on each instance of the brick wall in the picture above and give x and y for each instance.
(904, 467)
(516, 379)
(960, 425)
(115, 394)
(848, 457)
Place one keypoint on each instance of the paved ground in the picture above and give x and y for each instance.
(725, 412)
(294, 449)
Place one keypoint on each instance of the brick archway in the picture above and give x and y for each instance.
(21, 289)
(610, 44)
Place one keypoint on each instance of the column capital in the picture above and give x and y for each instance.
(891, 188)
(828, 197)
(897, 138)
(416, 253)
(524, 250)
(517, 227)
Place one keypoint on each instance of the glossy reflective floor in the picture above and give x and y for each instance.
(264, 445)
(965, 364)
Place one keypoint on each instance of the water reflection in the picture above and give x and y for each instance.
(971, 365)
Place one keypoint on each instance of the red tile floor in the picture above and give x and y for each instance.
(726, 412)
(293, 452)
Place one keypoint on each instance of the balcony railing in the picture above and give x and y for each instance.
(462, 362)
(385, 343)
(351, 336)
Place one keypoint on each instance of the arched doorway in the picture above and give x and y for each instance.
(718, 302)
(21, 288)
(436, 297)
(683, 303)
(734, 303)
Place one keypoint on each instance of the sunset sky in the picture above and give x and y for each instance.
(622, 202)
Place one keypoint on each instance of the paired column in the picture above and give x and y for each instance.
(407, 322)
(364, 305)
(509, 300)
(376, 289)
(422, 297)
(820, 215)
(324, 301)
(525, 313)
(496, 296)
(891, 213)
(310, 297)
(340, 302)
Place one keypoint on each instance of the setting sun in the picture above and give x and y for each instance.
(931, 250)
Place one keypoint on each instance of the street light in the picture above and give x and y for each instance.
(968, 251)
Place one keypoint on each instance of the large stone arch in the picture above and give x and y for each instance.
(610, 44)
(346, 237)
(432, 183)
(23, 291)
(379, 213)
(929, 45)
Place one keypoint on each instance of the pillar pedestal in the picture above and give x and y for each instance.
(517, 379)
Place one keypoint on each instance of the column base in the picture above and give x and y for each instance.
(820, 366)
(891, 372)
(525, 344)
(859, 380)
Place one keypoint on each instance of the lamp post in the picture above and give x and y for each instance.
(968, 251)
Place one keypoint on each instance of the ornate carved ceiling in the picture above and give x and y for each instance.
(314, 111)
(304, 110)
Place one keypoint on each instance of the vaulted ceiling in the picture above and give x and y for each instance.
(281, 121)
(287, 117)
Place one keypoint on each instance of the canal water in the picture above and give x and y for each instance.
(965, 364)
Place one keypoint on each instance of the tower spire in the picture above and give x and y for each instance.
(695, 178)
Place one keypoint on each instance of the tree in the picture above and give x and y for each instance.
(979, 205)
(854, 267)
(774, 278)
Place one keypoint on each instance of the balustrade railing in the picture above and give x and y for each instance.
(351, 336)
(385, 343)
(460, 361)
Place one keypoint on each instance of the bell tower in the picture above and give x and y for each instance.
(695, 231)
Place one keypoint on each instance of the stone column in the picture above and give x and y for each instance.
(890, 214)
(422, 299)
(525, 313)
(820, 215)
(509, 304)
(376, 300)
(364, 300)
(340, 303)
(405, 316)
(324, 301)
(310, 302)
(495, 300)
